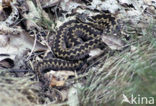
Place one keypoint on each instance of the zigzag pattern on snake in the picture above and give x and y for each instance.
(75, 39)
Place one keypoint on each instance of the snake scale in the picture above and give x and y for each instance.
(74, 39)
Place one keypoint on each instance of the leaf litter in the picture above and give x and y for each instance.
(15, 42)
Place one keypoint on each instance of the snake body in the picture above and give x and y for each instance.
(75, 39)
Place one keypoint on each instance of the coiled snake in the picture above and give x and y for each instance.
(75, 39)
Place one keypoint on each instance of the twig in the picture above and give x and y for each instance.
(35, 40)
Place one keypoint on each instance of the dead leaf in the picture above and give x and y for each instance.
(113, 42)
(6, 2)
(149, 2)
(4, 40)
(55, 82)
(58, 78)
(49, 3)
(7, 63)
(95, 52)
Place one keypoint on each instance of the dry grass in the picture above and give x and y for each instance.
(124, 73)
(17, 91)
